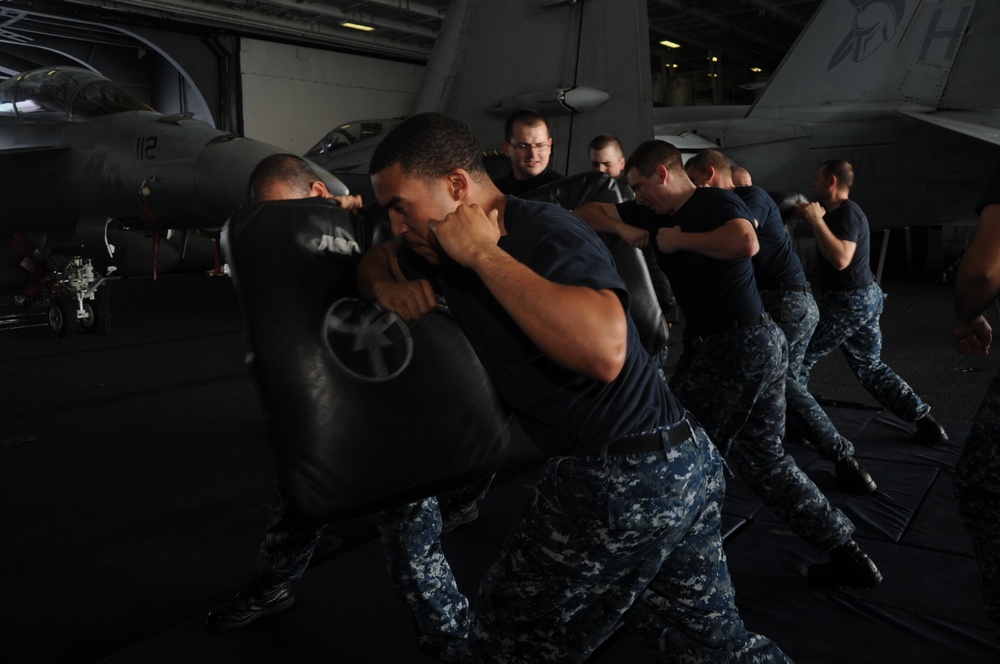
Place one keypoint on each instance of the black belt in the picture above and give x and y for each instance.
(642, 443)
(739, 323)
(797, 288)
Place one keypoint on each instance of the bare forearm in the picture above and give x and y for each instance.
(375, 269)
(732, 241)
(579, 328)
(977, 282)
(381, 281)
(729, 242)
(837, 252)
(973, 295)
(601, 217)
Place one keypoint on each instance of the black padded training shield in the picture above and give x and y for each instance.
(366, 411)
(594, 186)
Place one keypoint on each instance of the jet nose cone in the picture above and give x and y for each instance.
(224, 169)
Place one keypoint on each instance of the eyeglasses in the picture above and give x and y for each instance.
(528, 147)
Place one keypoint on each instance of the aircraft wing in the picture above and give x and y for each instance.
(981, 125)
(686, 141)
(30, 148)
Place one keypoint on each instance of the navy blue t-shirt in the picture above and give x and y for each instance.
(849, 223)
(563, 412)
(776, 263)
(711, 292)
(992, 194)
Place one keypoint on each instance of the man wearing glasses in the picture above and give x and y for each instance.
(528, 145)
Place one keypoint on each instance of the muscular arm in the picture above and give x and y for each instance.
(381, 281)
(581, 329)
(734, 240)
(837, 252)
(977, 284)
(604, 218)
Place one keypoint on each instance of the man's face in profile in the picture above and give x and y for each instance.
(412, 203)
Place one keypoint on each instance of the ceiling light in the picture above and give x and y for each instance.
(357, 26)
(670, 44)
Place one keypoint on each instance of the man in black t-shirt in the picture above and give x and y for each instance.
(528, 145)
(788, 298)
(624, 521)
(977, 474)
(852, 301)
(731, 374)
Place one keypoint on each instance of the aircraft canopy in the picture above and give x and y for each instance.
(64, 92)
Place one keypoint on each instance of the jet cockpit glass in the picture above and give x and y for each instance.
(352, 132)
(103, 97)
(64, 92)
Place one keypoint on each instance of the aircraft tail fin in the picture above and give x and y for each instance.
(907, 53)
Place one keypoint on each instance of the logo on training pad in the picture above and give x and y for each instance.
(366, 342)
(341, 243)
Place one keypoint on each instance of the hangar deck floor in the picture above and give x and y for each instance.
(136, 478)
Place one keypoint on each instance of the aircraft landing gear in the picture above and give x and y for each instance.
(97, 314)
(79, 300)
(61, 317)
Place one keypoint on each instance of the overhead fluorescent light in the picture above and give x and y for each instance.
(357, 26)
(670, 44)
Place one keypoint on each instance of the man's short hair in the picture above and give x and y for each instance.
(602, 141)
(428, 146)
(653, 153)
(701, 161)
(843, 171)
(287, 168)
(525, 117)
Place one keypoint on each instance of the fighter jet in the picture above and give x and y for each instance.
(901, 88)
(94, 179)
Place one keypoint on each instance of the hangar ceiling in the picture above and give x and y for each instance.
(755, 33)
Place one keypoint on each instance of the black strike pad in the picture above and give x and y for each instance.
(594, 186)
(573, 191)
(644, 307)
(365, 410)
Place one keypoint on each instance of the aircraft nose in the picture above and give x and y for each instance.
(223, 173)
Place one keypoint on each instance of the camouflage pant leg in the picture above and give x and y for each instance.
(850, 320)
(797, 315)
(742, 379)
(773, 475)
(411, 539)
(977, 487)
(721, 379)
(709, 629)
(289, 541)
(594, 536)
